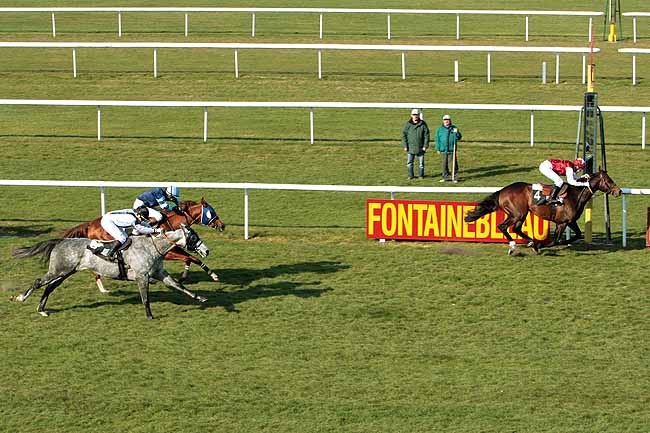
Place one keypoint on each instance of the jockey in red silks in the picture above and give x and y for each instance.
(554, 168)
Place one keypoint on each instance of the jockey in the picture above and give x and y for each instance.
(554, 168)
(117, 223)
(157, 198)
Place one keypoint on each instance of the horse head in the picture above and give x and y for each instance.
(209, 216)
(193, 212)
(187, 238)
(600, 181)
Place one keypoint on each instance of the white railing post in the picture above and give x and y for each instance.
(590, 32)
(634, 70)
(634, 28)
(403, 66)
(74, 62)
(99, 123)
(624, 224)
(320, 65)
(53, 26)
(526, 28)
(579, 129)
(236, 64)
(102, 200)
(320, 26)
(457, 27)
(311, 126)
(205, 124)
(532, 128)
(245, 213)
(388, 21)
(557, 69)
(543, 72)
(119, 24)
(155, 63)
(584, 68)
(187, 25)
(455, 71)
(643, 132)
(489, 60)
(253, 27)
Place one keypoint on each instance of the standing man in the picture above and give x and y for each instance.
(447, 136)
(415, 141)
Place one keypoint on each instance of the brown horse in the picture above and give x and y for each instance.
(191, 212)
(516, 200)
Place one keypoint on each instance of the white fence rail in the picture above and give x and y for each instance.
(634, 52)
(312, 105)
(634, 16)
(320, 11)
(317, 47)
(247, 187)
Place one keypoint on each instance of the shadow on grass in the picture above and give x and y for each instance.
(229, 300)
(24, 231)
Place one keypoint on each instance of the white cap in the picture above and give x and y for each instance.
(415, 111)
(446, 117)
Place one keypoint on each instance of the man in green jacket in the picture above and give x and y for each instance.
(447, 137)
(415, 141)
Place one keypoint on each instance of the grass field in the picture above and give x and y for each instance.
(313, 328)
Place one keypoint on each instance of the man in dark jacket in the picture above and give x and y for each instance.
(415, 141)
(447, 137)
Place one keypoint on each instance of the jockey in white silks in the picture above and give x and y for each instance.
(116, 223)
(158, 198)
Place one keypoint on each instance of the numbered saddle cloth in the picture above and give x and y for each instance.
(542, 192)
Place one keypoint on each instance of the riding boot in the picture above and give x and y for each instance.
(553, 198)
(115, 245)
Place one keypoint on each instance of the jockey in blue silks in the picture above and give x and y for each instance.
(158, 198)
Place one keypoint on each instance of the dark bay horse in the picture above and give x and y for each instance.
(144, 259)
(516, 200)
(191, 212)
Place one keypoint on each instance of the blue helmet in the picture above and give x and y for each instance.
(173, 191)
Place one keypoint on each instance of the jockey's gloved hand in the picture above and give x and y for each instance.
(158, 231)
(177, 210)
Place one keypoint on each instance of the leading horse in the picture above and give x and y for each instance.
(144, 259)
(516, 200)
(190, 212)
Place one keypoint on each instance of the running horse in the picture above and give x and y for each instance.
(191, 212)
(516, 200)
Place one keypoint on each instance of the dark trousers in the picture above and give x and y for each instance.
(446, 161)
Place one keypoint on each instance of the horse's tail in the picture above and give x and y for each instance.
(488, 205)
(45, 248)
(80, 231)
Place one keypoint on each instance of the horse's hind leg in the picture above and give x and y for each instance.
(49, 289)
(504, 229)
(143, 286)
(100, 283)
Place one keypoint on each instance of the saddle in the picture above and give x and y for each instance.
(101, 249)
(541, 193)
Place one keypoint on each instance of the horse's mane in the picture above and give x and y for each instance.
(80, 231)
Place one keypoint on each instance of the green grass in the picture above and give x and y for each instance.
(313, 328)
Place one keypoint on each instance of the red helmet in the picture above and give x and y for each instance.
(579, 163)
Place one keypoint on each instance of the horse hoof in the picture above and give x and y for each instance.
(214, 277)
(44, 313)
(201, 299)
(17, 298)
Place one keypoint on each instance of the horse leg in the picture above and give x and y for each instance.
(169, 281)
(531, 242)
(573, 225)
(181, 255)
(504, 229)
(100, 283)
(559, 230)
(143, 287)
(46, 293)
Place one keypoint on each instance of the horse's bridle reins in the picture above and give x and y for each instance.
(168, 239)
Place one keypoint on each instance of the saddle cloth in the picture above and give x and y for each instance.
(541, 192)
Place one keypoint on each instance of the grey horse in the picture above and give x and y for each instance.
(144, 259)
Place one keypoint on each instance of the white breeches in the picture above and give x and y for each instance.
(113, 230)
(153, 213)
(546, 168)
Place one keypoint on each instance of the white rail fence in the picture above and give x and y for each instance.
(634, 52)
(312, 105)
(634, 16)
(248, 187)
(320, 11)
(317, 47)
